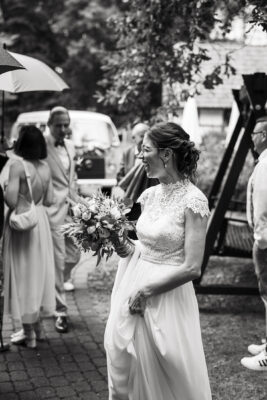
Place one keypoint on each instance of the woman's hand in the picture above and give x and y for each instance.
(137, 302)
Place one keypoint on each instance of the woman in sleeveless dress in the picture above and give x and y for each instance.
(28, 255)
(153, 338)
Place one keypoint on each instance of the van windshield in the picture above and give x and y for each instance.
(86, 132)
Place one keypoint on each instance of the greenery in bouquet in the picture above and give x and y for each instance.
(99, 224)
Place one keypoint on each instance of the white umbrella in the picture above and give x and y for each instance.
(36, 76)
(190, 120)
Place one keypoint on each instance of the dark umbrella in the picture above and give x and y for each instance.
(135, 182)
(7, 62)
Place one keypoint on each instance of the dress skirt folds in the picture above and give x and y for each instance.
(29, 271)
(160, 356)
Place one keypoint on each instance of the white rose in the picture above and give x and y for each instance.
(115, 213)
(77, 211)
(91, 229)
(86, 216)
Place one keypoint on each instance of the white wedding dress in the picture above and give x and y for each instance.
(160, 356)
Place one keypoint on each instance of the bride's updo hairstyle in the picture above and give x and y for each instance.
(171, 135)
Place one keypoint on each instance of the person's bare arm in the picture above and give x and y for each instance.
(195, 235)
(12, 189)
(49, 198)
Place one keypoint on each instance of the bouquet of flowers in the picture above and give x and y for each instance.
(99, 223)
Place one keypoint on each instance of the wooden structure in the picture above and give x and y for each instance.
(251, 99)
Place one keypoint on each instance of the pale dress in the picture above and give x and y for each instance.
(29, 272)
(160, 356)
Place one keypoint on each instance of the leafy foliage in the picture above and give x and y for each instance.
(163, 41)
(70, 36)
(116, 54)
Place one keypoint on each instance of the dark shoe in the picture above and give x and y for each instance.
(61, 324)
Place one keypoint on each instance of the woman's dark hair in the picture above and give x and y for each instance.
(170, 135)
(31, 143)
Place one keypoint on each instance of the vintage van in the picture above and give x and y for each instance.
(96, 140)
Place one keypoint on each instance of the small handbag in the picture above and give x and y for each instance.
(28, 219)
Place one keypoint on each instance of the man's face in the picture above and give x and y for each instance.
(60, 126)
(259, 136)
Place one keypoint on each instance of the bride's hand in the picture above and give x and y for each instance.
(137, 303)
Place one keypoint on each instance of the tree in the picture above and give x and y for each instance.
(70, 36)
(164, 41)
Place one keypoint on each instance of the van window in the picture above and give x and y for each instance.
(86, 132)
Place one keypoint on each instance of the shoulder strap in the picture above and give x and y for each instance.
(28, 177)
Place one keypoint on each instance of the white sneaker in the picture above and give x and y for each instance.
(256, 363)
(19, 333)
(68, 286)
(255, 349)
(18, 337)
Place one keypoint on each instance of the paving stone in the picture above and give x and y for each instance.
(39, 381)
(61, 349)
(22, 386)
(82, 386)
(99, 385)
(74, 377)
(89, 396)
(45, 392)
(29, 395)
(11, 356)
(53, 371)
(69, 367)
(99, 362)
(35, 372)
(4, 377)
(64, 392)
(6, 387)
(15, 366)
(9, 396)
(65, 358)
(81, 357)
(18, 376)
(58, 381)
(86, 366)
(94, 375)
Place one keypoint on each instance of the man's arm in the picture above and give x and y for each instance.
(260, 205)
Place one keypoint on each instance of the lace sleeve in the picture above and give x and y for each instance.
(143, 197)
(198, 206)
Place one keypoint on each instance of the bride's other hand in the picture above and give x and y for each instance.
(137, 303)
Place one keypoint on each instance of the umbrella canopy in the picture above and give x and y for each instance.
(190, 120)
(36, 76)
(7, 62)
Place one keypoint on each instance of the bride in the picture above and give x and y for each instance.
(153, 338)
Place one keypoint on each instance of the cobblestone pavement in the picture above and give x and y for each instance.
(65, 366)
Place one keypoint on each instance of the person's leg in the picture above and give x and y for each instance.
(30, 337)
(259, 361)
(38, 329)
(59, 254)
(260, 263)
(72, 257)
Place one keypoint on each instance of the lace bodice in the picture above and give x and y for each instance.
(161, 226)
